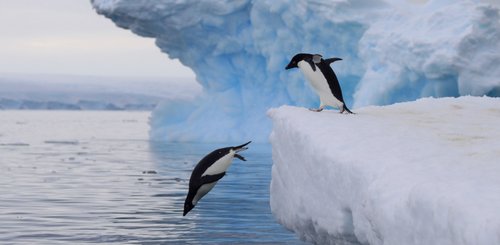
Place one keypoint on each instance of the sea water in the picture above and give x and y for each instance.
(71, 177)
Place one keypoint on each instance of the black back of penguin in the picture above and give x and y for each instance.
(205, 163)
(331, 77)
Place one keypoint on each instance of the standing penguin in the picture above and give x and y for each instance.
(322, 78)
(208, 171)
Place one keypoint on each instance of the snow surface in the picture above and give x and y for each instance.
(423, 172)
(392, 51)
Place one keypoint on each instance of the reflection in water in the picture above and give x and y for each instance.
(68, 178)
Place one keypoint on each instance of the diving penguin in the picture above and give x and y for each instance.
(208, 171)
(322, 78)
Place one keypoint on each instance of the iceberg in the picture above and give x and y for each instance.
(423, 172)
(393, 51)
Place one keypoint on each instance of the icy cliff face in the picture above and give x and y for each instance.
(423, 172)
(392, 50)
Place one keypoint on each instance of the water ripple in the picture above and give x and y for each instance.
(100, 189)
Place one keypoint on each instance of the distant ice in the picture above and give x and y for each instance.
(424, 172)
(62, 142)
(15, 144)
(71, 92)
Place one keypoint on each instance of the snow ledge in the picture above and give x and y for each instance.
(423, 172)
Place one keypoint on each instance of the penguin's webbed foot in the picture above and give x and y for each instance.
(316, 110)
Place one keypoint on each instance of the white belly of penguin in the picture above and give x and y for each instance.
(319, 84)
(220, 165)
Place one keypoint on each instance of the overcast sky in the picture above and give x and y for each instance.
(69, 37)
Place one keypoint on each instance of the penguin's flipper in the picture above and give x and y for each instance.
(240, 157)
(207, 179)
(310, 61)
(331, 60)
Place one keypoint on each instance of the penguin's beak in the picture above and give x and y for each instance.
(241, 147)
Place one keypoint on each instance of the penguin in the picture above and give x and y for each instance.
(208, 171)
(322, 78)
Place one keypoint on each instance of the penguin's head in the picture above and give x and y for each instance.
(296, 59)
(239, 148)
(187, 207)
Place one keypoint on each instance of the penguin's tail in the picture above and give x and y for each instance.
(344, 108)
